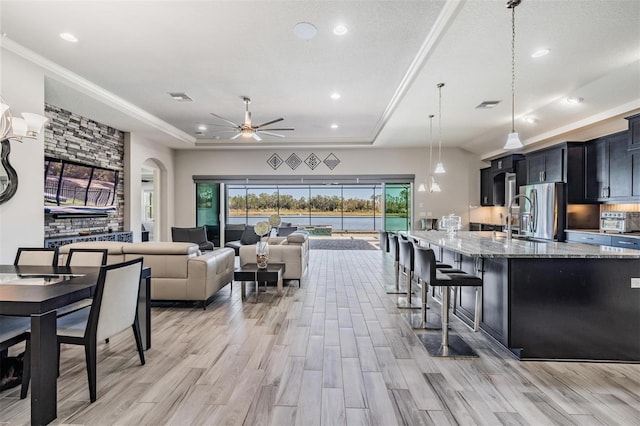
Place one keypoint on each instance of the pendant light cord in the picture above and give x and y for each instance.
(513, 68)
(430, 142)
(440, 85)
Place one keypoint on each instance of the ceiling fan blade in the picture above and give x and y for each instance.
(221, 125)
(264, 132)
(256, 137)
(235, 137)
(268, 122)
(224, 119)
(279, 130)
(225, 131)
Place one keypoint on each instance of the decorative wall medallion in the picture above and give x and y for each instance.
(274, 161)
(293, 161)
(312, 161)
(331, 161)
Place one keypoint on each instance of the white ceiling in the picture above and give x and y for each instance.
(130, 54)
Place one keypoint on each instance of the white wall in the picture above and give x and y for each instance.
(22, 217)
(137, 151)
(460, 185)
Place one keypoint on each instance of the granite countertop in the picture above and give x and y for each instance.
(610, 234)
(495, 244)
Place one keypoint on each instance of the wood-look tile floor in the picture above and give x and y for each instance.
(336, 351)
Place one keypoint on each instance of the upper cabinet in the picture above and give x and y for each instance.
(486, 187)
(545, 165)
(560, 163)
(609, 169)
(634, 132)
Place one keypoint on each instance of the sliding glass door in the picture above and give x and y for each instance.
(397, 206)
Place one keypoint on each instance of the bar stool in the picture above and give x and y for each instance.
(448, 346)
(394, 249)
(406, 268)
(421, 272)
(384, 241)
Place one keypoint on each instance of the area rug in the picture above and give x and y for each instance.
(340, 244)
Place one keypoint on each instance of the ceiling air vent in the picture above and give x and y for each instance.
(487, 104)
(180, 96)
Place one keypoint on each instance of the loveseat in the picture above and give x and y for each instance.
(178, 271)
(292, 250)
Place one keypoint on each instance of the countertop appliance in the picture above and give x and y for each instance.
(543, 211)
(621, 222)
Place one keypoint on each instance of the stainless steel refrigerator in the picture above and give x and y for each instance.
(543, 211)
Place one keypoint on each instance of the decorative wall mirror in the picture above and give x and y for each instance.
(8, 175)
(14, 128)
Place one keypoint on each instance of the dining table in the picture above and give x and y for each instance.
(38, 292)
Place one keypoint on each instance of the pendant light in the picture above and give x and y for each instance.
(513, 140)
(433, 186)
(423, 187)
(439, 166)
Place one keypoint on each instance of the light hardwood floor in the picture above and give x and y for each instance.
(336, 351)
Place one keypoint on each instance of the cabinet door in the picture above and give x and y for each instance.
(535, 167)
(635, 171)
(486, 187)
(553, 166)
(634, 132)
(597, 172)
(620, 169)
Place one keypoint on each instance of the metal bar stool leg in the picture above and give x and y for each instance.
(478, 316)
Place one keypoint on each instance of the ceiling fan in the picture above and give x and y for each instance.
(246, 129)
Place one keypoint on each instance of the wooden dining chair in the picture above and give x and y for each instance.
(114, 309)
(36, 256)
(83, 257)
(86, 257)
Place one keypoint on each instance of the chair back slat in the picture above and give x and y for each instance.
(36, 256)
(87, 257)
(116, 298)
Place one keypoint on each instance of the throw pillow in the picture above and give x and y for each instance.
(296, 238)
(249, 236)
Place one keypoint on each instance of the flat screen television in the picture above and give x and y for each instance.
(72, 189)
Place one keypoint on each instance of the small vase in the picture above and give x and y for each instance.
(262, 254)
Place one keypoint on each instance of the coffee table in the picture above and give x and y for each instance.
(250, 272)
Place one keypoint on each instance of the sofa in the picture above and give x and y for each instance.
(292, 250)
(178, 271)
(197, 235)
(236, 236)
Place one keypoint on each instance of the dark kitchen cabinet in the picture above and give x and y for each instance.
(635, 174)
(609, 169)
(486, 187)
(545, 166)
(634, 132)
(560, 163)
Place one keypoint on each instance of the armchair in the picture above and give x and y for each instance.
(197, 235)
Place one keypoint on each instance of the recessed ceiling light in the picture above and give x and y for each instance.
(334, 126)
(180, 96)
(305, 30)
(69, 37)
(575, 100)
(538, 53)
(202, 127)
(340, 30)
(335, 95)
(487, 104)
(530, 120)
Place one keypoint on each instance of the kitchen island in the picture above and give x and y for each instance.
(548, 300)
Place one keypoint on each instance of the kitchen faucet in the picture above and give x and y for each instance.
(515, 197)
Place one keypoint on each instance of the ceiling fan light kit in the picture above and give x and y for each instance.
(247, 130)
(513, 140)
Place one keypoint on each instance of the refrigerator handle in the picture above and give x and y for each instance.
(533, 226)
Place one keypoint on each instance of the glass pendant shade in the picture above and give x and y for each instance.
(513, 141)
(439, 168)
(422, 188)
(435, 187)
